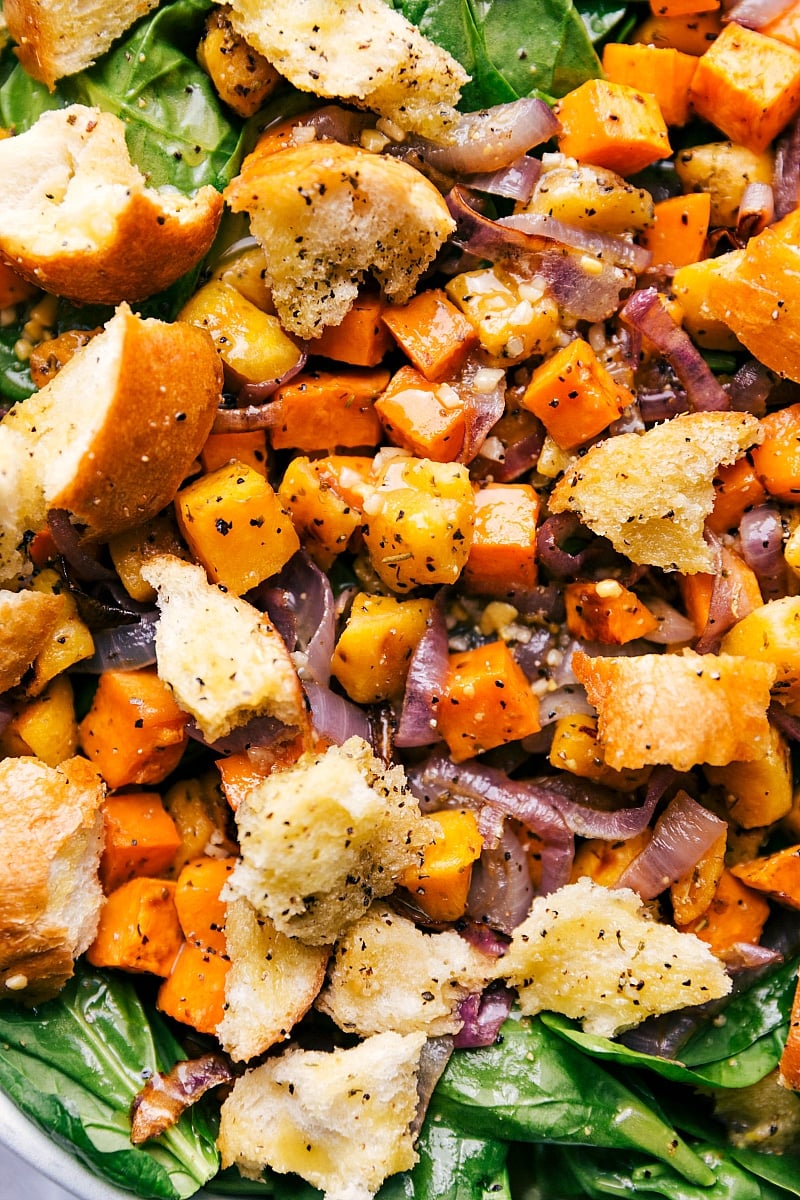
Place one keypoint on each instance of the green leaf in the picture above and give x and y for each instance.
(15, 376)
(74, 1065)
(750, 1015)
(533, 1086)
(509, 50)
(747, 1067)
(780, 1169)
(602, 17)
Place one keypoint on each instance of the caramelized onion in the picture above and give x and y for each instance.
(165, 1097)
(761, 531)
(600, 245)
(682, 835)
(483, 1014)
(425, 681)
(756, 210)
(514, 182)
(501, 890)
(334, 717)
(491, 138)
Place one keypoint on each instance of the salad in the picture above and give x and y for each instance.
(399, 558)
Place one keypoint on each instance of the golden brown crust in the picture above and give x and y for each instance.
(86, 227)
(26, 621)
(57, 39)
(49, 857)
(680, 709)
(115, 432)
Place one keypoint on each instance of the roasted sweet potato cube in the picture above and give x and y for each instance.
(138, 928)
(424, 417)
(612, 125)
(574, 396)
(320, 410)
(141, 838)
(606, 611)
(488, 701)
(435, 335)
(502, 557)
(374, 650)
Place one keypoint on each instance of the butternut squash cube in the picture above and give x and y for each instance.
(70, 640)
(373, 652)
(771, 634)
(737, 913)
(488, 701)
(502, 557)
(251, 343)
(141, 838)
(420, 520)
(440, 886)
(131, 550)
(668, 73)
(604, 861)
(757, 793)
(777, 875)
(139, 929)
(46, 726)
(432, 332)
(513, 318)
(692, 33)
(423, 417)
(575, 748)
(612, 125)
(361, 338)
(249, 448)
(236, 526)
(574, 396)
(605, 611)
(691, 287)
(320, 410)
(722, 171)
(748, 85)
(323, 520)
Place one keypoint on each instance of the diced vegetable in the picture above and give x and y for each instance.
(440, 885)
(607, 612)
(141, 838)
(322, 519)
(249, 448)
(425, 418)
(502, 557)
(45, 726)
(736, 913)
(722, 170)
(200, 910)
(668, 73)
(757, 793)
(574, 396)
(678, 234)
(134, 731)
(432, 332)
(362, 338)
(138, 928)
(575, 748)
(612, 125)
(488, 702)
(194, 990)
(777, 875)
(320, 410)
(373, 652)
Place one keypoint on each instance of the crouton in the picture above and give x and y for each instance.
(50, 862)
(380, 214)
(247, 670)
(27, 620)
(365, 53)
(680, 709)
(272, 982)
(594, 954)
(54, 40)
(341, 1120)
(650, 493)
(112, 436)
(77, 219)
(322, 838)
(388, 975)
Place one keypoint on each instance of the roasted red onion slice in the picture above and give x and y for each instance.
(514, 182)
(788, 724)
(761, 531)
(433, 1059)
(259, 733)
(585, 287)
(682, 835)
(6, 713)
(300, 603)
(501, 890)
(165, 1097)
(123, 648)
(425, 681)
(786, 171)
(756, 210)
(673, 627)
(729, 601)
(82, 557)
(645, 311)
(491, 138)
(755, 14)
(334, 717)
(484, 237)
(483, 1014)
(483, 393)
(600, 245)
(750, 387)
(254, 409)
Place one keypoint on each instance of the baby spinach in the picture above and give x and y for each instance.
(176, 128)
(510, 50)
(74, 1065)
(15, 376)
(533, 1086)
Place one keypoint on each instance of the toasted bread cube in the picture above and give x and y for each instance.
(236, 526)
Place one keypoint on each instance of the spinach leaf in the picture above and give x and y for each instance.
(598, 1174)
(74, 1065)
(176, 129)
(453, 1165)
(780, 1169)
(750, 1015)
(533, 1086)
(15, 376)
(746, 1067)
(509, 50)
(601, 18)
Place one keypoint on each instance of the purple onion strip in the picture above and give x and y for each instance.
(425, 681)
(683, 834)
(483, 1014)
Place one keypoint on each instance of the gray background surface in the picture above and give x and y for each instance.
(18, 1181)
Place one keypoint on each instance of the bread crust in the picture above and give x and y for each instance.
(60, 39)
(115, 459)
(49, 864)
(86, 226)
(26, 621)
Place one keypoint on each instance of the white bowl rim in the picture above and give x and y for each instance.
(25, 1139)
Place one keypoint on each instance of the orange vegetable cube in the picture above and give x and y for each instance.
(361, 338)
(789, 1067)
(740, 581)
(138, 929)
(141, 838)
(13, 288)
(776, 461)
(350, 475)
(323, 520)
(678, 234)
(736, 914)
(201, 912)
(604, 861)
(236, 526)
(748, 85)
(682, 8)
(435, 335)
(778, 875)
(785, 26)
(502, 557)
(576, 748)
(488, 701)
(421, 416)
(691, 34)
(737, 488)
(134, 731)
(574, 396)
(612, 125)
(375, 647)
(440, 886)
(248, 448)
(194, 991)
(668, 74)
(238, 774)
(606, 611)
(320, 410)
